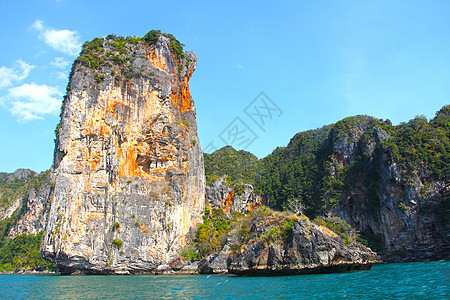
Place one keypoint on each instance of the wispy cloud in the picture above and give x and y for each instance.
(65, 41)
(240, 66)
(60, 62)
(32, 101)
(10, 75)
(62, 75)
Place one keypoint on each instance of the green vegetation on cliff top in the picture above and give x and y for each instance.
(117, 50)
(239, 166)
(260, 225)
(212, 234)
(307, 170)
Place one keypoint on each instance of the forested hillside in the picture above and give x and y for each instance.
(238, 166)
(390, 182)
(21, 251)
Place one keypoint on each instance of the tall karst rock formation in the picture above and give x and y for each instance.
(128, 174)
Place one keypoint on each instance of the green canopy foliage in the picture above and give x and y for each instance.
(239, 166)
(308, 171)
(22, 252)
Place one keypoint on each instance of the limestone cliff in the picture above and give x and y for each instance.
(35, 214)
(25, 196)
(13, 187)
(128, 171)
(400, 208)
(241, 199)
(390, 182)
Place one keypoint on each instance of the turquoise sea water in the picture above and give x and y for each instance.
(427, 280)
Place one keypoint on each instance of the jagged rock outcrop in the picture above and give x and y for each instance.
(218, 263)
(128, 169)
(267, 243)
(35, 215)
(9, 210)
(399, 210)
(220, 196)
(309, 248)
(391, 183)
(11, 196)
(21, 174)
(27, 197)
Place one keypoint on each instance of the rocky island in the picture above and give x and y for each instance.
(127, 180)
(130, 191)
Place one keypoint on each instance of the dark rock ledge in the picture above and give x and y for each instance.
(311, 249)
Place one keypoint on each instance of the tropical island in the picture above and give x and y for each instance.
(131, 192)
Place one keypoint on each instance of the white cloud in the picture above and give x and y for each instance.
(65, 41)
(33, 101)
(60, 62)
(240, 66)
(62, 75)
(8, 75)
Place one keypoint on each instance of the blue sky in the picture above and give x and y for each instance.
(315, 62)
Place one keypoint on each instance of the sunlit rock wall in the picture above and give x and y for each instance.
(128, 168)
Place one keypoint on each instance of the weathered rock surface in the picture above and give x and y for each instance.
(219, 195)
(35, 215)
(402, 212)
(10, 204)
(128, 168)
(215, 263)
(9, 211)
(218, 263)
(30, 195)
(178, 266)
(310, 249)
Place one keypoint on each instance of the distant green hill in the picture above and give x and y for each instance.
(239, 166)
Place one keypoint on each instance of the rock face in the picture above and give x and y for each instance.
(11, 196)
(219, 195)
(30, 194)
(390, 183)
(268, 243)
(128, 170)
(310, 249)
(218, 263)
(35, 217)
(9, 211)
(402, 212)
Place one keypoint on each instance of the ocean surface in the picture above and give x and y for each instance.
(426, 280)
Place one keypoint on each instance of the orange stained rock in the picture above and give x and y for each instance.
(160, 171)
(158, 61)
(95, 216)
(183, 223)
(93, 162)
(182, 99)
(252, 206)
(88, 126)
(128, 166)
(229, 202)
(105, 130)
(142, 227)
(112, 104)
